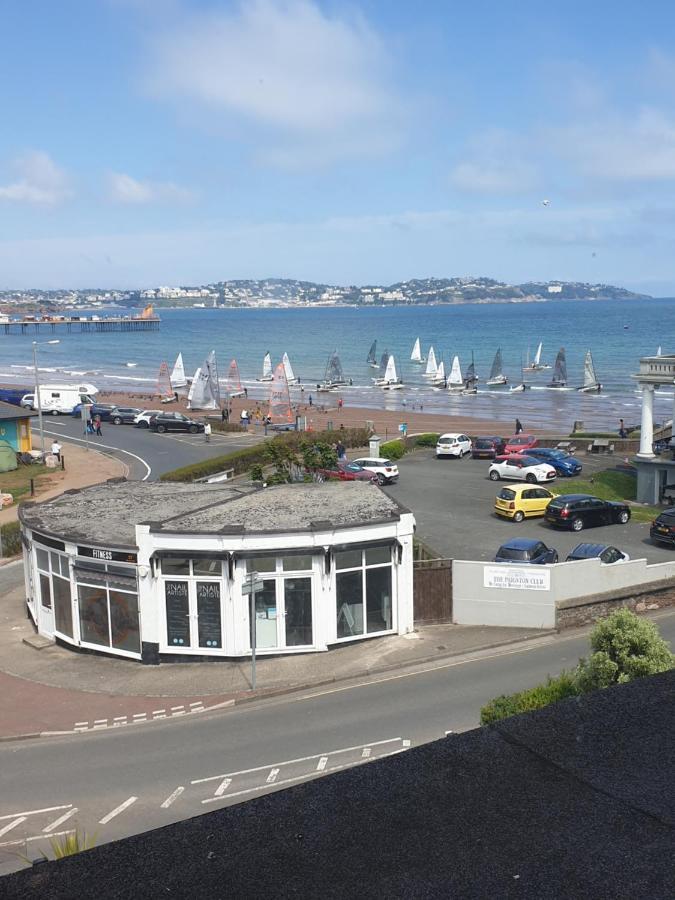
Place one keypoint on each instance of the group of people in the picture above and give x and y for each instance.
(93, 426)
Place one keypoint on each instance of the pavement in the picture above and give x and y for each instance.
(37, 676)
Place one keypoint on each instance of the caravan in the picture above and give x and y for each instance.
(60, 398)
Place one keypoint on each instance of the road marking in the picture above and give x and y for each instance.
(60, 820)
(37, 837)
(272, 777)
(35, 812)
(82, 725)
(448, 732)
(100, 721)
(299, 759)
(66, 437)
(223, 786)
(174, 796)
(120, 719)
(321, 765)
(366, 753)
(12, 825)
(140, 716)
(176, 708)
(118, 809)
(158, 712)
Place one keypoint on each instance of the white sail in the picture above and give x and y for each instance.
(195, 387)
(440, 374)
(205, 389)
(589, 371)
(267, 365)
(432, 365)
(416, 355)
(290, 377)
(390, 371)
(178, 378)
(658, 350)
(455, 380)
(537, 356)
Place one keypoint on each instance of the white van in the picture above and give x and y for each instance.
(63, 398)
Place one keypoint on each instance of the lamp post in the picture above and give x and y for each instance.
(37, 344)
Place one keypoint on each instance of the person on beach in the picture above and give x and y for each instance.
(622, 429)
(340, 404)
(310, 400)
(207, 432)
(225, 415)
(97, 427)
(519, 427)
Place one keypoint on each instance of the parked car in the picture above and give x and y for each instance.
(604, 552)
(453, 444)
(564, 464)
(103, 410)
(385, 469)
(526, 550)
(27, 401)
(142, 420)
(348, 471)
(487, 447)
(577, 511)
(124, 415)
(174, 422)
(520, 443)
(521, 501)
(663, 527)
(521, 468)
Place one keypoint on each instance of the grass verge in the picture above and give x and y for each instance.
(609, 485)
(17, 482)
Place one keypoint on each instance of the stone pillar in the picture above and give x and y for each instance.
(647, 423)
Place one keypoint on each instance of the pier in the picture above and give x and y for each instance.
(81, 324)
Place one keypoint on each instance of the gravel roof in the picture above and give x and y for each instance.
(106, 514)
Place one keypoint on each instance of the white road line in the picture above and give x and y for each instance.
(140, 715)
(35, 812)
(176, 708)
(272, 777)
(60, 820)
(321, 765)
(197, 704)
(36, 837)
(158, 712)
(118, 809)
(366, 753)
(12, 825)
(82, 725)
(222, 787)
(299, 759)
(406, 744)
(66, 437)
(120, 719)
(100, 721)
(159, 715)
(174, 796)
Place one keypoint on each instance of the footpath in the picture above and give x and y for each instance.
(47, 689)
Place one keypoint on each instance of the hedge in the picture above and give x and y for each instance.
(425, 440)
(554, 689)
(392, 449)
(10, 538)
(243, 460)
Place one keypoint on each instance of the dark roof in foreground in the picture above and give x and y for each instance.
(576, 800)
(107, 513)
(9, 411)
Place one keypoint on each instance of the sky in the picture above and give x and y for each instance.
(148, 142)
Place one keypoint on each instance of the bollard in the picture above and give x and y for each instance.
(63, 463)
(32, 488)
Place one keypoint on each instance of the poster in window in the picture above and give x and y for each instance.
(177, 613)
(208, 612)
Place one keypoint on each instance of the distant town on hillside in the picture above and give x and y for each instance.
(288, 292)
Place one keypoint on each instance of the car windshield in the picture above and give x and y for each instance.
(446, 440)
(667, 518)
(512, 553)
(386, 463)
(353, 467)
(507, 494)
(530, 461)
(484, 444)
(557, 504)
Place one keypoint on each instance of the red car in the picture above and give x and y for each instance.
(348, 471)
(520, 443)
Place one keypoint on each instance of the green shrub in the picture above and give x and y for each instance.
(538, 697)
(626, 647)
(392, 449)
(425, 440)
(10, 538)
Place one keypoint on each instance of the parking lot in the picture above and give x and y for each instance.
(453, 502)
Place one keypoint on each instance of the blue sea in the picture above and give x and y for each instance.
(617, 332)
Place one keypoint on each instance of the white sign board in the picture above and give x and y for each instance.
(522, 578)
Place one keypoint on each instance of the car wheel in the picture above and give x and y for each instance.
(555, 558)
(117, 421)
(142, 425)
(381, 479)
(624, 516)
(494, 476)
(518, 516)
(161, 429)
(193, 429)
(577, 524)
(531, 479)
(55, 412)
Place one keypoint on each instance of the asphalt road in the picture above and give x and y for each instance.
(147, 453)
(453, 502)
(119, 782)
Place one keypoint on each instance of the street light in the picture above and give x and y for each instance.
(37, 344)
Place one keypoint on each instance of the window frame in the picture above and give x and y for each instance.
(364, 568)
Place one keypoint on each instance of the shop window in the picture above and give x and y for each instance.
(363, 584)
(45, 591)
(94, 624)
(63, 606)
(212, 567)
(298, 609)
(175, 566)
(296, 563)
(42, 557)
(378, 599)
(208, 614)
(124, 627)
(262, 564)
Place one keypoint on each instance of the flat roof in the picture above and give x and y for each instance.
(10, 411)
(106, 514)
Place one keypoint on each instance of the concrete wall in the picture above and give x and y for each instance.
(475, 602)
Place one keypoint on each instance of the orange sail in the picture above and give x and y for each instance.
(280, 399)
(148, 312)
(234, 388)
(164, 388)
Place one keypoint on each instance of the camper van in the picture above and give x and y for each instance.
(61, 398)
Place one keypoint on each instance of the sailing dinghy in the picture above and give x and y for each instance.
(441, 379)
(334, 376)
(416, 355)
(288, 369)
(234, 388)
(391, 382)
(559, 379)
(205, 389)
(519, 388)
(178, 378)
(279, 403)
(591, 384)
(470, 377)
(536, 365)
(455, 381)
(432, 365)
(497, 377)
(384, 359)
(371, 359)
(164, 388)
(267, 373)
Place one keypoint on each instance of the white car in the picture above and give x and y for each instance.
(385, 469)
(453, 444)
(142, 420)
(521, 468)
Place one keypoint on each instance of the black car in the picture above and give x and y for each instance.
(577, 511)
(663, 527)
(487, 447)
(103, 410)
(123, 415)
(603, 552)
(526, 550)
(175, 422)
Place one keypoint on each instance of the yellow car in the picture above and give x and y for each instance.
(521, 500)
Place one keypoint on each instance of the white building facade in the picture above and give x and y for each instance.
(656, 474)
(178, 590)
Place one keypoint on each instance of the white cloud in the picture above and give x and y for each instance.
(496, 163)
(285, 67)
(39, 181)
(123, 188)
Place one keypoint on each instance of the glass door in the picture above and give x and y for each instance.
(298, 612)
(266, 617)
(193, 616)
